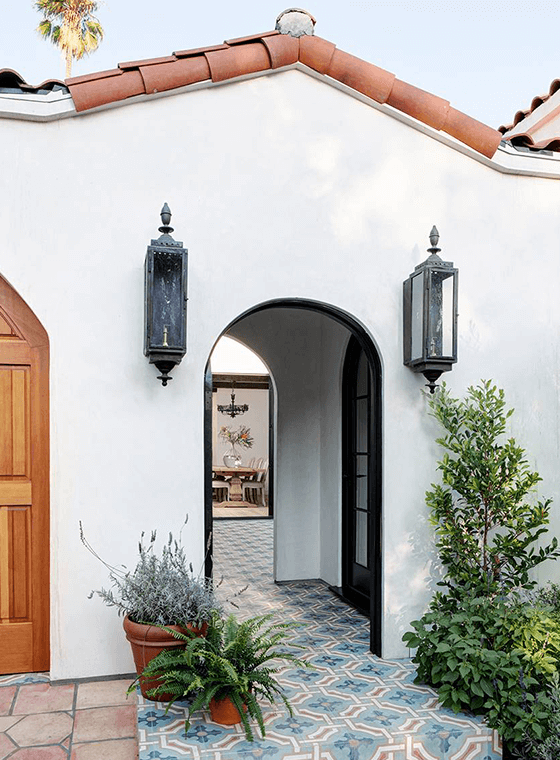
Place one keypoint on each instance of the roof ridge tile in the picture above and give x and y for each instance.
(271, 50)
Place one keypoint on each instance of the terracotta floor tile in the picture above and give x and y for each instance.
(6, 697)
(6, 746)
(42, 728)
(40, 753)
(102, 693)
(123, 749)
(105, 723)
(42, 697)
(7, 721)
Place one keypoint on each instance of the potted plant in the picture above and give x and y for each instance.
(228, 670)
(160, 595)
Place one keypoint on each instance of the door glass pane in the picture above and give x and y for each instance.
(361, 543)
(362, 376)
(361, 492)
(361, 425)
(362, 464)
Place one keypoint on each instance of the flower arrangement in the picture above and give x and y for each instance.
(240, 437)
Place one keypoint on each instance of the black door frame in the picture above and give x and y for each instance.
(372, 355)
(350, 366)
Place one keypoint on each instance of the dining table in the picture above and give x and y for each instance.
(235, 477)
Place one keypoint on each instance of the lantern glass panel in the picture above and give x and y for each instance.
(417, 317)
(167, 302)
(440, 333)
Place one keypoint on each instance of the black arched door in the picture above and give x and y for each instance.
(361, 561)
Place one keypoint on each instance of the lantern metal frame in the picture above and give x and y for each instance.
(165, 300)
(424, 321)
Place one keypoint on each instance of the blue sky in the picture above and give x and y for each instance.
(489, 57)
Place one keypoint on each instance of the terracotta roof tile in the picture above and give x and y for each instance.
(99, 92)
(198, 51)
(362, 76)
(526, 141)
(251, 38)
(420, 104)
(316, 53)
(238, 60)
(271, 50)
(535, 103)
(282, 50)
(147, 62)
(92, 77)
(10, 79)
(167, 76)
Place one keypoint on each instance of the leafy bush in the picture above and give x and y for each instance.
(489, 656)
(161, 590)
(486, 524)
(491, 643)
(546, 747)
(233, 660)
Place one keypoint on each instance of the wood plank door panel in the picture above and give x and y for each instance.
(24, 488)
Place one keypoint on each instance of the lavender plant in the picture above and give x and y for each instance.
(162, 589)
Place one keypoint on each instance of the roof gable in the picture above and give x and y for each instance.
(265, 53)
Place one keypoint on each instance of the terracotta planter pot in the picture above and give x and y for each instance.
(224, 711)
(147, 641)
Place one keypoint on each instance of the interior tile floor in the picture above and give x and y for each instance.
(250, 511)
(354, 706)
(93, 720)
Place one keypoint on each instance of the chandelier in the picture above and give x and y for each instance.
(232, 409)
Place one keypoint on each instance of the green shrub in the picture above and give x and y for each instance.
(490, 656)
(486, 523)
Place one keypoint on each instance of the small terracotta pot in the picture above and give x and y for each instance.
(146, 642)
(224, 711)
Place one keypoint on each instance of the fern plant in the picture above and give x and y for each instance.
(235, 659)
(162, 589)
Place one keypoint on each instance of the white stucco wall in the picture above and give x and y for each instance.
(308, 193)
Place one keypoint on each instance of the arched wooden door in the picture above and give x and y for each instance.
(24, 487)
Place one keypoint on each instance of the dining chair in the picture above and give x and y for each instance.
(252, 488)
(220, 490)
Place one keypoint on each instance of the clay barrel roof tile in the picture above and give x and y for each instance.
(168, 76)
(282, 50)
(420, 104)
(238, 60)
(362, 76)
(316, 53)
(473, 133)
(100, 91)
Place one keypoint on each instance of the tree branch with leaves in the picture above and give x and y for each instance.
(71, 26)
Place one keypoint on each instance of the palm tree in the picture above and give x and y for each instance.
(71, 25)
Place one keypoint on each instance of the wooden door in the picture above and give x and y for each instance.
(24, 487)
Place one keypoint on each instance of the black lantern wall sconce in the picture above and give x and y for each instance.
(165, 300)
(430, 316)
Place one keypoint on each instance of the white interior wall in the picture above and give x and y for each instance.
(260, 175)
(255, 418)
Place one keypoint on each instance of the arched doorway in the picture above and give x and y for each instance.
(303, 343)
(24, 487)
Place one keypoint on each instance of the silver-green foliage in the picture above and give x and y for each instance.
(487, 523)
(162, 589)
(234, 659)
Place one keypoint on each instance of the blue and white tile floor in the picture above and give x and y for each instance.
(354, 706)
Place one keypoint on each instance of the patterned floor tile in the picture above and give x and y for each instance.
(352, 706)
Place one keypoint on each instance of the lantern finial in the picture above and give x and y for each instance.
(165, 219)
(434, 239)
